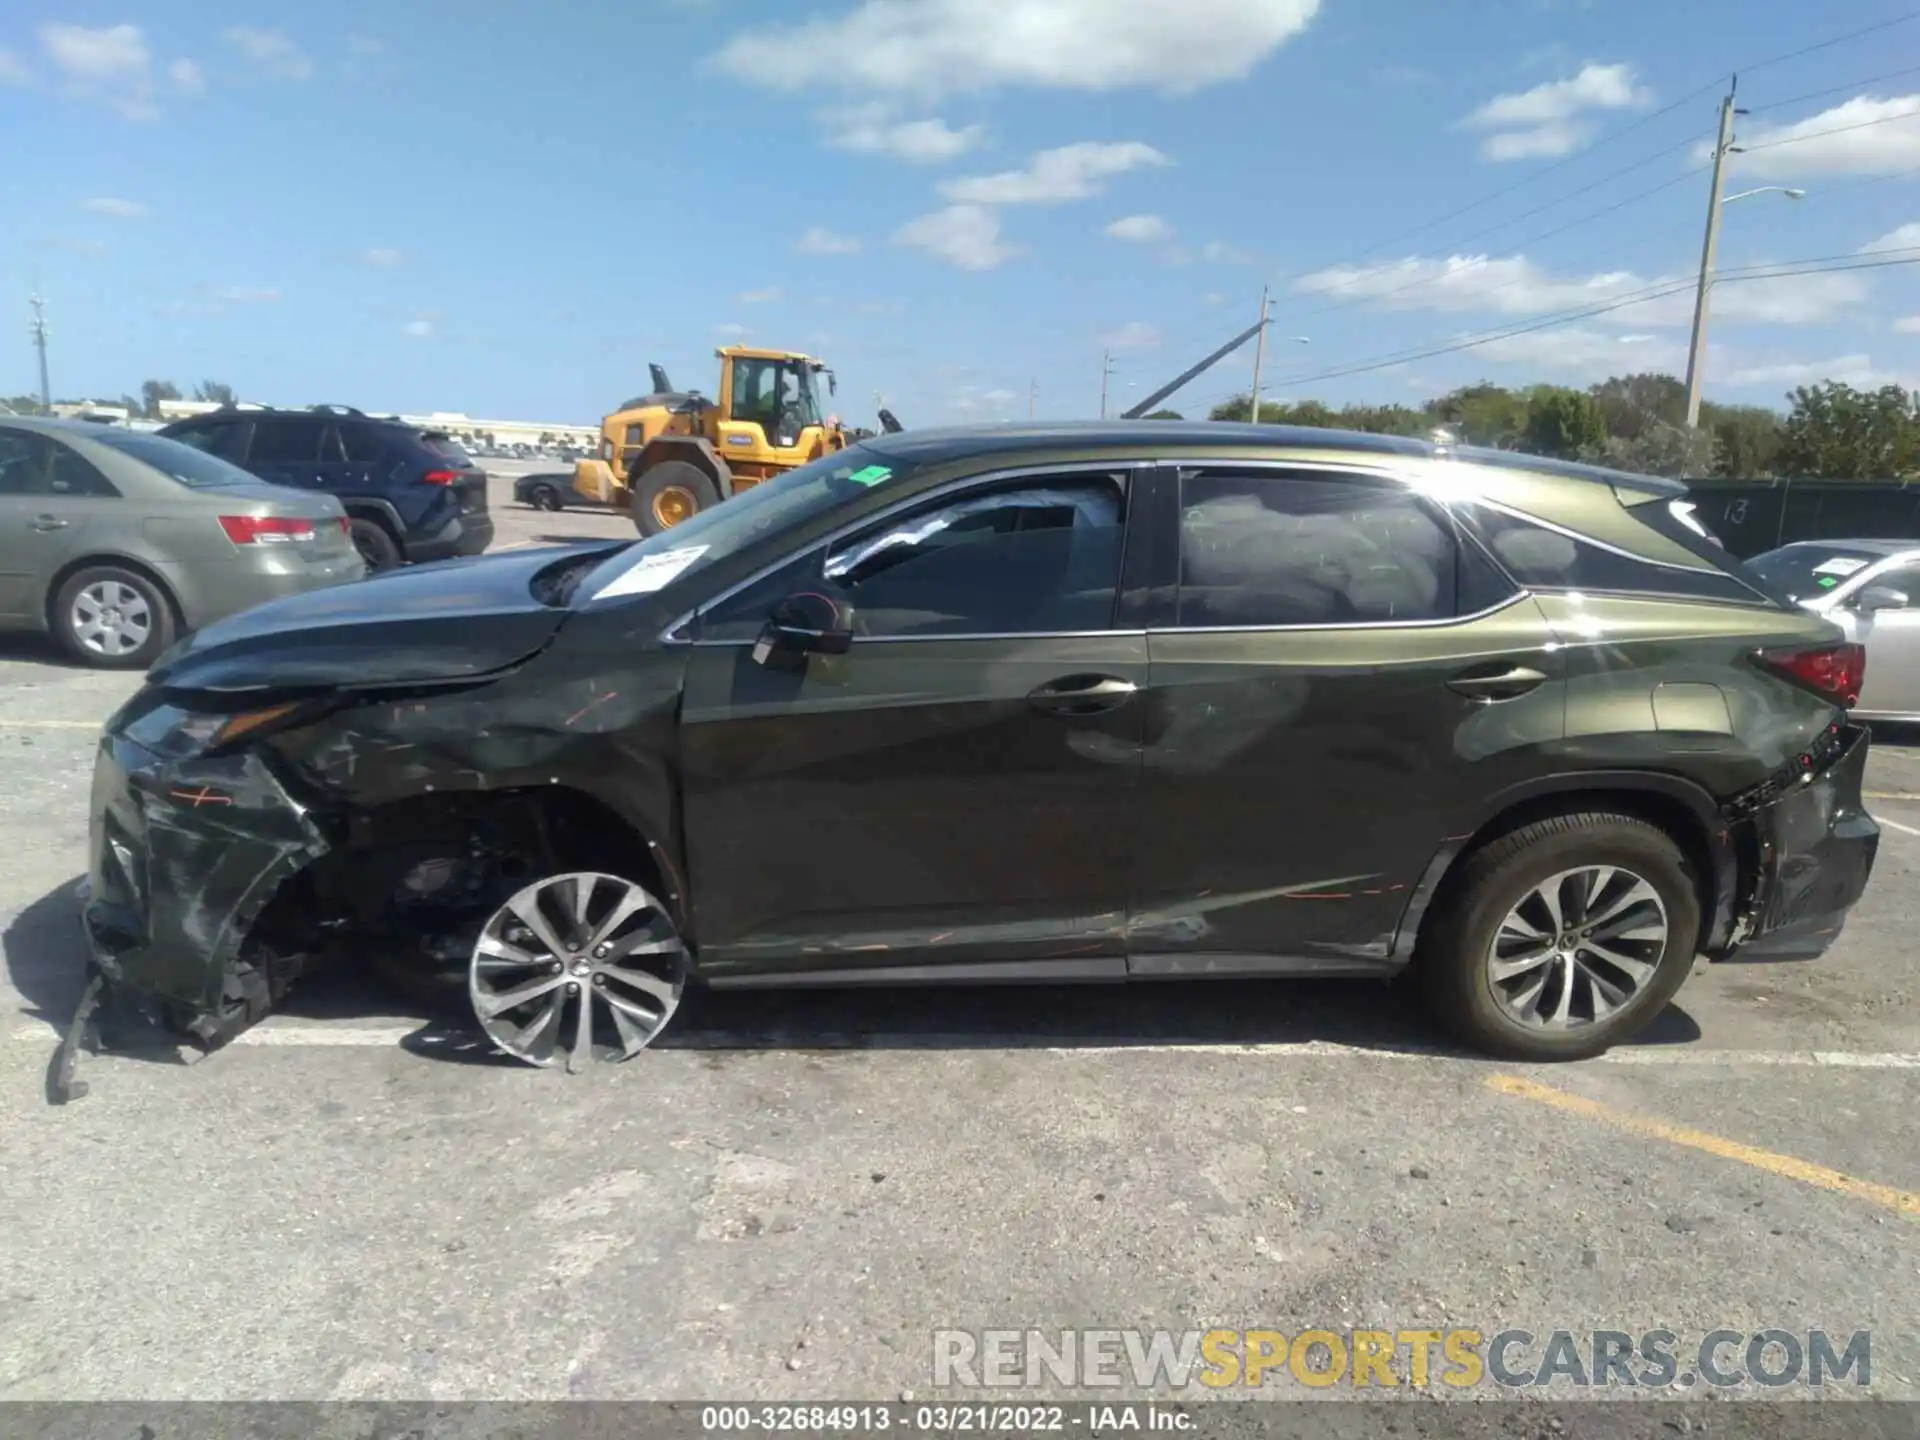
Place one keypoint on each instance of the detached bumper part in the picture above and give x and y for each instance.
(1816, 844)
(185, 855)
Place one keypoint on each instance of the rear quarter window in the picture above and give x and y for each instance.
(1542, 557)
(447, 448)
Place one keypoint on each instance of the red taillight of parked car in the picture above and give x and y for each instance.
(267, 529)
(1835, 671)
(441, 477)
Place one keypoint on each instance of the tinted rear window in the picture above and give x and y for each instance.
(182, 462)
(447, 446)
(1543, 558)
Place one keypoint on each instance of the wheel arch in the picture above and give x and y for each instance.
(694, 450)
(384, 512)
(1679, 807)
(145, 569)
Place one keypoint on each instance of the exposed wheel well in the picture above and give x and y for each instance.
(120, 562)
(1674, 817)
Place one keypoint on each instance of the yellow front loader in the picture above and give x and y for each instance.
(667, 456)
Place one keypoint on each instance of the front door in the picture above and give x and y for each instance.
(1892, 638)
(957, 790)
(1338, 682)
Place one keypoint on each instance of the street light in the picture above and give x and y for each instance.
(1791, 192)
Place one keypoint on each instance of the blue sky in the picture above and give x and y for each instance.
(405, 207)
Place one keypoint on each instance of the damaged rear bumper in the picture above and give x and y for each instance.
(1815, 845)
(184, 855)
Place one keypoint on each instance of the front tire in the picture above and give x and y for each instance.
(112, 618)
(1562, 938)
(668, 493)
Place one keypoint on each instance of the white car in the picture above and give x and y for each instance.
(1871, 589)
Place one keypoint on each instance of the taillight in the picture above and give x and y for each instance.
(440, 477)
(1835, 671)
(267, 529)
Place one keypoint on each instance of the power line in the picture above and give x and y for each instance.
(1836, 130)
(1829, 44)
(1831, 90)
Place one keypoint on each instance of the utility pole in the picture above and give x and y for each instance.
(1259, 354)
(1033, 393)
(1106, 374)
(1703, 294)
(39, 331)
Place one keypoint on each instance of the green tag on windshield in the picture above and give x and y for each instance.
(871, 475)
(1827, 582)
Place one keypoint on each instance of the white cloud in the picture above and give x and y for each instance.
(967, 236)
(760, 297)
(111, 65)
(1579, 350)
(928, 47)
(115, 52)
(1070, 172)
(732, 331)
(1514, 285)
(1553, 118)
(1143, 229)
(365, 44)
(1134, 335)
(418, 329)
(270, 51)
(382, 257)
(821, 241)
(874, 129)
(1869, 136)
(1908, 325)
(187, 77)
(1907, 237)
(1857, 370)
(13, 70)
(1221, 253)
(115, 207)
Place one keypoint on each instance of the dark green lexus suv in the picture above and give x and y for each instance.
(1078, 702)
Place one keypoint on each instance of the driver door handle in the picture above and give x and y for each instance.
(1082, 695)
(1507, 683)
(49, 522)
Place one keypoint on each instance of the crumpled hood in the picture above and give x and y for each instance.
(447, 621)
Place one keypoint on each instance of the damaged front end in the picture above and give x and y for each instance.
(1808, 847)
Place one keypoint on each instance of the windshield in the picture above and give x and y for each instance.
(780, 504)
(1806, 572)
(189, 466)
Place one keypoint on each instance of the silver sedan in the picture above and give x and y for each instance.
(1871, 589)
(116, 542)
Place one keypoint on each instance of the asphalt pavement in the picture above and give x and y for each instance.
(795, 1191)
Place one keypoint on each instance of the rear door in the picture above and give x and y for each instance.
(46, 509)
(1338, 681)
(286, 451)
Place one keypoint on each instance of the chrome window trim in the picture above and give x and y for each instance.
(1480, 614)
(671, 635)
(1586, 539)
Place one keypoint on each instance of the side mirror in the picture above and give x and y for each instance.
(1879, 597)
(803, 625)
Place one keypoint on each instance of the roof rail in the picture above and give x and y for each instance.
(335, 410)
(243, 405)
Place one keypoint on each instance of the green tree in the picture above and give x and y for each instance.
(152, 392)
(1633, 405)
(1166, 415)
(1564, 424)
(1836, 432)
(216, 392)
(23, 405)
(1482, 414)
(1746, 440)
(1662, 449)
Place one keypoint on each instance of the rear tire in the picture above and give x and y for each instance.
(112, 618)
(665, 494)
(376, 545)
(544, 497)
(1474, 957)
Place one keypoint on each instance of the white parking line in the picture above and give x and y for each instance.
(6, 724)
(1896, 825)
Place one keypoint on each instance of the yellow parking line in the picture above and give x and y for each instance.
(1890, 795)
(1804, 1171)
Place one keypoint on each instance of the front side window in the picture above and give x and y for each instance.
(1260, 550)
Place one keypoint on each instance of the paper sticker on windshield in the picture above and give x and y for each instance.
(652, 572)
(872, 475)
(1839, 565)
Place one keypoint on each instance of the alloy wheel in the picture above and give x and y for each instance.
(1578, 947)
(111, 618)
(580, 966)
(674, 504)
